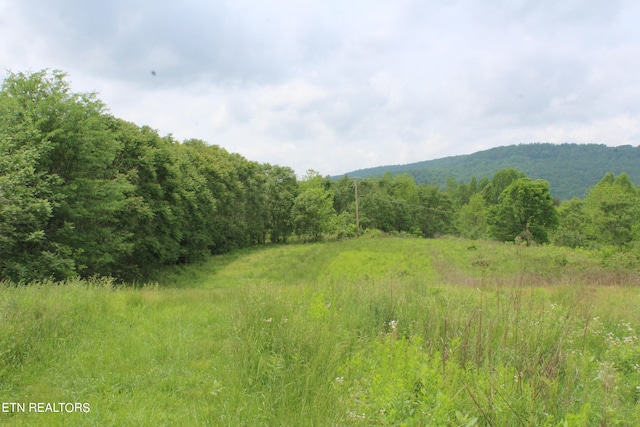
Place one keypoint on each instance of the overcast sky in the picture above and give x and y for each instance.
(341, 85)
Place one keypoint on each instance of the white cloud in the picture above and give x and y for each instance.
(336, 86)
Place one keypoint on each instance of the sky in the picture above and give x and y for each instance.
(339, 85)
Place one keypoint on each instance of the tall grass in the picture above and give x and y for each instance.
(382, 331)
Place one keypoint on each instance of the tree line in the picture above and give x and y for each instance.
(509, 207)
(83, 193)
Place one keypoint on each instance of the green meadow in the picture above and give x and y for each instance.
(375, 331)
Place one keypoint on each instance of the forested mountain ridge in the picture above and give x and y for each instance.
(570, 169)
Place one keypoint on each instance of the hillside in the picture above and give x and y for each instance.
(570, 169)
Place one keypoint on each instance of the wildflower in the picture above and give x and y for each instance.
(355, 415)
(517, 378)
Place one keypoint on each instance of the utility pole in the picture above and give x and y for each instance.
(355, 186)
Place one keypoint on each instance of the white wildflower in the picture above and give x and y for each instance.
(355, 415)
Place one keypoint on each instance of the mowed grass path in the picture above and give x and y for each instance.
(385, 331)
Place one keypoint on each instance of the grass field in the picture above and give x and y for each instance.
(384, 331)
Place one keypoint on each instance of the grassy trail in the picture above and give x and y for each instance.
(371, 332)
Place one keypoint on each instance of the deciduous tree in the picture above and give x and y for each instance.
(471, 219)
(612, 210)
(525, 210)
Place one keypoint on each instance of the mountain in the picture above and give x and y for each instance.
(570, 169)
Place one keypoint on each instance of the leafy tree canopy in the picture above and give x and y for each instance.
(525, 210)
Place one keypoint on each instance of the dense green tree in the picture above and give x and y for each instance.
(482, 184)
(500, 181)
(377, 212)
(460, 193)
(436, 211)
(194, 200)
(153, 218)
(572, 224)
(90, 194)
(226, 182)
(312, 213)
(612, 210)
(623, 181)
(82, 192)
(377, 207)
(343, 194)
(171, 220)
(253, 180)
(402, 190)
(281, 189)
(473, 185)
(313, 179)
(27, 201)
(525, 211)
(471, 219)
(394, 203)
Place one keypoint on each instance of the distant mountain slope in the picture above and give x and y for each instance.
(570, 169)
